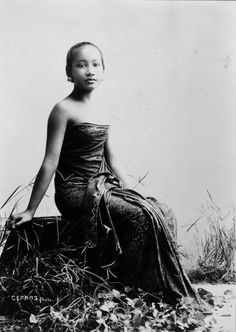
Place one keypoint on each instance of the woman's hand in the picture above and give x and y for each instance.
(19, 218)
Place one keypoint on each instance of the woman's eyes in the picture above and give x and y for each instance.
(83, 65)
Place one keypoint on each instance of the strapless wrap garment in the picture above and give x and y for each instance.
(123, 233)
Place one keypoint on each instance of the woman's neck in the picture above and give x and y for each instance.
(81, 95)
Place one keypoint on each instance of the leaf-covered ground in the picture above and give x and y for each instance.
(112, 310)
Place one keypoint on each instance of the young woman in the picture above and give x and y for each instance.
(121, 230)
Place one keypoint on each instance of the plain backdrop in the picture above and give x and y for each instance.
(170, 84)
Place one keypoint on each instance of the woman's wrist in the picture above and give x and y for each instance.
(30, 211)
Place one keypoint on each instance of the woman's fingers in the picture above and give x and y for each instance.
(11, 223)
(20, 222)
(17, 220)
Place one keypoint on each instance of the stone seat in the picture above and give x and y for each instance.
(47, 233)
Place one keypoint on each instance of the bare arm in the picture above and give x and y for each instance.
(55, 134)
(114, 162)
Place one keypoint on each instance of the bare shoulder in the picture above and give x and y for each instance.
(59, 112)
(68, 108)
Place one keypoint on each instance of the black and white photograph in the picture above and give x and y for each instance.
(117, 165)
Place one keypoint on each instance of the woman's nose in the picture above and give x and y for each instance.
(90, 71)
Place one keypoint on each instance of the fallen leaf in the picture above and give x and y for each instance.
(33, 319)
(138, 303)
(105, 307)
(137, 317)
(115, 293)
(113, 317)
(99, 314)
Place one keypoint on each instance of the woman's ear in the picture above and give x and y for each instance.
(68, 73)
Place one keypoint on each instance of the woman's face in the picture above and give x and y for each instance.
(86, 69)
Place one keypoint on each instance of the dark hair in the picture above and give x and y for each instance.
(70, 55)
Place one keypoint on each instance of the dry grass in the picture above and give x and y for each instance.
(217, 248)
